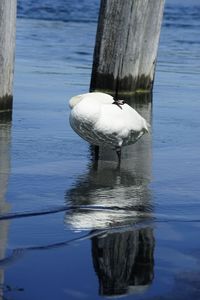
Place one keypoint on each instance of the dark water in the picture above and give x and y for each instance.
(70, 229)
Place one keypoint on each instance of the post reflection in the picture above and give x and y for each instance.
(124, 262)
(123, 258)
(5, 129)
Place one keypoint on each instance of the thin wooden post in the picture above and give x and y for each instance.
(126, 45)
(7, 49)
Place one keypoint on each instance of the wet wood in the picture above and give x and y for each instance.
(7, 49)
(126, 45)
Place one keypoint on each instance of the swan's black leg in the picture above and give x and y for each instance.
(118, 151)
(96, 153)
(94, 156)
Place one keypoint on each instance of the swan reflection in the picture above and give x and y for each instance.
(123, 258)
(120, 197)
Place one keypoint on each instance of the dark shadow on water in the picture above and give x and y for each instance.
(123, 259)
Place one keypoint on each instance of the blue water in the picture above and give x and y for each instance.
(75, 230)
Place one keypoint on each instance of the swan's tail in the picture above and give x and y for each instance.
(75, 100)
(147, 126)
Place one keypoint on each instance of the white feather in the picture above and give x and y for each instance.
(97, 120)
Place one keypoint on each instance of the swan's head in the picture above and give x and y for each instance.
(75, 100)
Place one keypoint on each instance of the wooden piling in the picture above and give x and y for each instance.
(7, 49)
(126, 45)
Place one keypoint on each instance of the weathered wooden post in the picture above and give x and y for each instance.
(7, 49)
(126, 45)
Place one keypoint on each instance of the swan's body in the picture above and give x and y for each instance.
(94, 117)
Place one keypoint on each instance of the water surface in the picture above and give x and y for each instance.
(71, 228)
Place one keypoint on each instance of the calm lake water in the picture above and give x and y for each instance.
(70, 229)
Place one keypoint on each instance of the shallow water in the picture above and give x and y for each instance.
(70, 228)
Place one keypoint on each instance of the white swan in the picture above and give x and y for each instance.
(103, 121)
